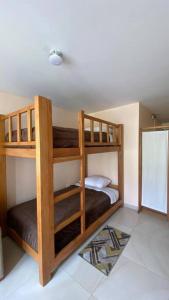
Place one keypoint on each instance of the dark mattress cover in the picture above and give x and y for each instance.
(62, 137)
(22, 218)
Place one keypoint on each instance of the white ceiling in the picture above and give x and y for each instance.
(116, 52)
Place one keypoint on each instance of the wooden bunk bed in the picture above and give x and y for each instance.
(41, 149)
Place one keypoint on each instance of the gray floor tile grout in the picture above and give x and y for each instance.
(146, 267)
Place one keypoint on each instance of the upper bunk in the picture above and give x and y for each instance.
(19, 132)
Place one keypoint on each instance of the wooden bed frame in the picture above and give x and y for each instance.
(42, 150)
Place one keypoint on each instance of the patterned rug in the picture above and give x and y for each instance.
(104, 250)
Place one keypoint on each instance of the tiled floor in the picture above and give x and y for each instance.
(141, 273)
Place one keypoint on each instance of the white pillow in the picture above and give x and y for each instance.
(97, 181)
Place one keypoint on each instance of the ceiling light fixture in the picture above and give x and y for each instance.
(55, 57)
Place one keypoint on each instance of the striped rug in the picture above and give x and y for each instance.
(104, 250)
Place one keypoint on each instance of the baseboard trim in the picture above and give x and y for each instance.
(131, 206)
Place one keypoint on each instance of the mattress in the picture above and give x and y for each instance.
(62, 137)
(22, 218)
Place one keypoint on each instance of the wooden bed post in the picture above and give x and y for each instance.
(121, 164)
(44, 181)
(3, 188)
(82, 170)
(86, 165)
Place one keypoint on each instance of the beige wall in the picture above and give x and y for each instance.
(129, 116)
(21, 179)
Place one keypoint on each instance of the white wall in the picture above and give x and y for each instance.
(21, 179)
(129, 116)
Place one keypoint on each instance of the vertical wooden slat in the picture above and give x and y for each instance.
(18, 127)
(10, 129)
(44, 181)
(82, 169)
(108, 133)
(115, 135)
(3, 187)
(86, 165)
(92, 131)
(100, 132)
(29, 124)
(111, 134)
(121, 166)
(119, 135)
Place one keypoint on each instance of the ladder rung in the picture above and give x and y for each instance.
(67, 221)
(65, 195)
(67, 158)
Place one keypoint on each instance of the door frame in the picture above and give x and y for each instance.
(140, 206)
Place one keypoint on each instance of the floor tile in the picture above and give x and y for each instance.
(152, 218)
(130, 281)
(149, 245)
(142, 271)
(22, 281)
(124, 219)
(81, 271)
(61, 287)
(22, 273)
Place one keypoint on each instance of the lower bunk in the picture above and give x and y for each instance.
(22, 221)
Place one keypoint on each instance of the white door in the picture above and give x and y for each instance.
(155, 170)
